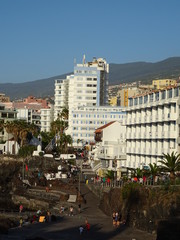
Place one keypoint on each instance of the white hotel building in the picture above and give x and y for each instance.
(84, 121)
(153, 127)
(87, 87)
(85, 94)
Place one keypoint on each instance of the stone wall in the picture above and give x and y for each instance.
(143, 207)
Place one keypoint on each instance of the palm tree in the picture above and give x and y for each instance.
(153, 171)
(65, 140)
(110, 174)
(58, 127)
(64, 114)
(171, 164)
(138, 173)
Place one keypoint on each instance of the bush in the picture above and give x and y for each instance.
(26, 151)
(131, 191)
(41, 154)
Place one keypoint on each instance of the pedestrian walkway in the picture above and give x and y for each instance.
(67, 227)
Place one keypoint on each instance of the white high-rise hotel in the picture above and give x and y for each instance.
(85, 93)
(152, 127)
(87, 87)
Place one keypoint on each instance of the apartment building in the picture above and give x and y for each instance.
(86, 87)
(111, 146)
(6, 115)
(153, 127)
(162, 83)
(36, 111)
(85, 120)
(47, 117)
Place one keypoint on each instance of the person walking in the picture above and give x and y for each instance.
(81, 229)
(71, 210)
(79, 208)
(87, 227)
(20, 208)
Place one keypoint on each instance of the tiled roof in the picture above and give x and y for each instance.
(98, 130)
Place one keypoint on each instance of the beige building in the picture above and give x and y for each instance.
(125, 93)
(162, 83)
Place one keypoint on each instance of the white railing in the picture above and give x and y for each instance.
(97, 166)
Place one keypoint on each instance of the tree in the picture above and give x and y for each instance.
(64, 141)
(138, 173)
(110, 174)
(58, 127)
(21, 130)
(153, 170)
(64, 114)
(170, 163)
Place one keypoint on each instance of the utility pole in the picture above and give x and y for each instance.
(23, 170)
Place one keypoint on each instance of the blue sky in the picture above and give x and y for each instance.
(41, 38)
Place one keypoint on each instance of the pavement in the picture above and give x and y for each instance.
(67, 228)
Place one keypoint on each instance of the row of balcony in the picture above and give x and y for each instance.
(152, 135)
(150, 151)
(120, 156)
(151, 119)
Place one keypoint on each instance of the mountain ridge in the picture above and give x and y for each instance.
(119, 73)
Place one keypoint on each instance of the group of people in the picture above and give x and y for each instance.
(117, 219)
(71, 209)
(84, 228)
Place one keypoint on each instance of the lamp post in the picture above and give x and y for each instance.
(80, 178)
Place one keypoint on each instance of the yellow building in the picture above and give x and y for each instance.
(124, 94)
(113, 101)
(162, 83)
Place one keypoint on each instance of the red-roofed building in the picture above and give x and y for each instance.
(110, 147)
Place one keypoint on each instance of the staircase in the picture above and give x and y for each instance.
(97, 166)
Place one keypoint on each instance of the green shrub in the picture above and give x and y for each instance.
(26, 151)
(41, 154)
(131, 191)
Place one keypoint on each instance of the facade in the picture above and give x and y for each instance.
(153, 127)
(126, 93)
(112, 146)
(61, 95)
(35, 111)
(4, 98)
(47, 116)
(6, 115)
(163, 83)
(85, 120)
(87, 87)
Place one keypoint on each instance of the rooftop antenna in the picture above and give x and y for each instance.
(74, 61)
(84, 59)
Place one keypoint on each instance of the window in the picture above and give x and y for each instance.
(176, 92)
(151, 97)
(157, 96)
(170, 93)
(140, 100)
(145, 99)
(130, 102)
(163, 94)
(135, 101)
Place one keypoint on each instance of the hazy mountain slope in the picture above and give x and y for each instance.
(143, 71)
(119, 73)
(38, 88)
